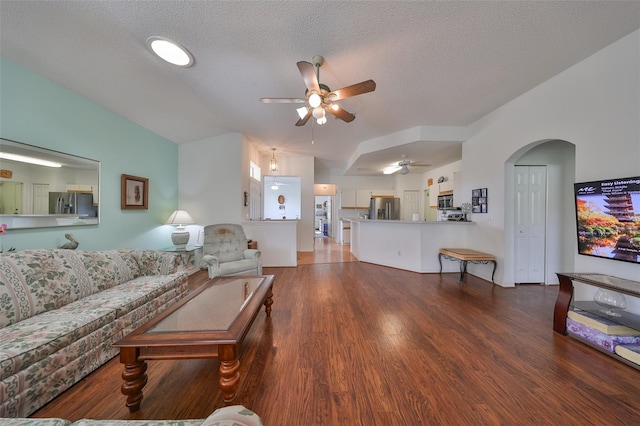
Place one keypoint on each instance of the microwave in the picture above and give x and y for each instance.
(445, 202)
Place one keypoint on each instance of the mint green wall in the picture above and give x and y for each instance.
(39, 112)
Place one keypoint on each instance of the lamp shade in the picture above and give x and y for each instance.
(180, 217)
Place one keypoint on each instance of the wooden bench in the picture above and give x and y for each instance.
(465, 256)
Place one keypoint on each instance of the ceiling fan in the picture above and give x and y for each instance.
(403, 167)
(319, 98)
(276, 184)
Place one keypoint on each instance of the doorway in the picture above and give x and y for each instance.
(411, 204)
(41, 198)
(11, 197)
(530, 216)
(557, 157)
(323, 217)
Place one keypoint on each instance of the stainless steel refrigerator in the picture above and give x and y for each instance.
(72, 203)
(384, 208)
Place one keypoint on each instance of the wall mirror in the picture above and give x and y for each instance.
(43, 188)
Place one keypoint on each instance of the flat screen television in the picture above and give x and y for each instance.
(608, 217)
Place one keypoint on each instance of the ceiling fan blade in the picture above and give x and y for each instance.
(342, 114)
(282, 100)
(304, 120)
(309, 76)
(353, 90)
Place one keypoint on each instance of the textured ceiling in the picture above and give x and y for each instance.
(435, 64)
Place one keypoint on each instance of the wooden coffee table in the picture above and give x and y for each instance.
(209, 323)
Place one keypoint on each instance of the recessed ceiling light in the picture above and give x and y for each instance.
(170, 51)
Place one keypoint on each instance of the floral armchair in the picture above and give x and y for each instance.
(225, 251)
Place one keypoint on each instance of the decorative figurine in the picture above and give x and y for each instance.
(72, 245)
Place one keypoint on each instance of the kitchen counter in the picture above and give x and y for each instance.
(277, 240)
(413, 222)
(409, 245)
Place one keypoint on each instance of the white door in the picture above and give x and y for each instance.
(411, 204)
(40, 198)
(530, 220)
(255, 199)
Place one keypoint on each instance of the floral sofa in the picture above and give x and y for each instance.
(61, 311)
(233, 415)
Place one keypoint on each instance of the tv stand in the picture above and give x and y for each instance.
(565, 296)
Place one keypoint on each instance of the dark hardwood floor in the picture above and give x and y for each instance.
(353, 343)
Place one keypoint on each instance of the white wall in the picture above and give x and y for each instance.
(594, 105)
(210, 178)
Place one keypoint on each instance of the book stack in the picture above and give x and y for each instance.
(629, 352)
(601, 331)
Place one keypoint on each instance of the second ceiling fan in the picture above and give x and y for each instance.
(319, 98)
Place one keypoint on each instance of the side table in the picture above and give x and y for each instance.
(191, 257)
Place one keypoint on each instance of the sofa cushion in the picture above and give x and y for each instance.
(35, 422)
(152, 262)
(90, 422)
(36, 281)
(109, 268)
(33, 339)
(243, 266)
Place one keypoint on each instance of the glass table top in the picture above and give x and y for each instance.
(215, 308)
(608, 281)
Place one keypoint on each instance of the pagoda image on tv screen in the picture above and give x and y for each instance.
(608, 215)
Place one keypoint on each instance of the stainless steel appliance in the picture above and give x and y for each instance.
(384, 208)
(75, 203)
(445, 202)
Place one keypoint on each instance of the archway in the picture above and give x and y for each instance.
(559, 158)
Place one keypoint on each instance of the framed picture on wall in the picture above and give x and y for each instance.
(479, 200)
(134, 193)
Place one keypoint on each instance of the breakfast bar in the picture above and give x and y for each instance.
(409, 245)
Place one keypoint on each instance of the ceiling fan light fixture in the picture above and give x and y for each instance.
(314, 100)
(391, 170)
(322, 120)
(318, 113)
(404, 170)
(170, 51)
(335, 107)
(302, 112)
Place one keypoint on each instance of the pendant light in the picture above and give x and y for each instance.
(273, 163)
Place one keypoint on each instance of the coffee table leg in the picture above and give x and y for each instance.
(268, 302)
(229, 371)
(134, 376)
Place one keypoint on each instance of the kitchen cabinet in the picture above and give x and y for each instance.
(348, 199)
(358, 199)
(433, 195)
(79, 188)
(363, 197)
(446, 187)
(383, 192)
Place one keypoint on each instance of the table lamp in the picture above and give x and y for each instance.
(180, 237)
